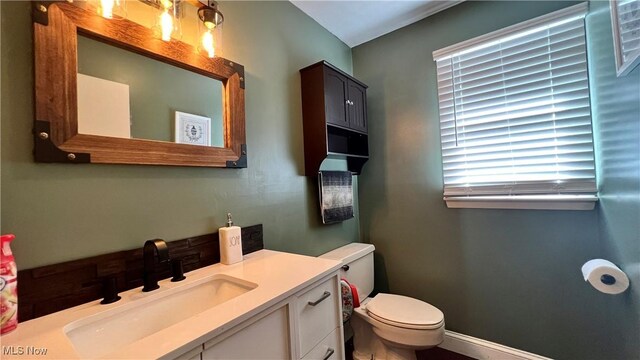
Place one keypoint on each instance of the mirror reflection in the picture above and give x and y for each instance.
(127, 95)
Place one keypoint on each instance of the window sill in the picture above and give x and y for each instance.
(531, 202)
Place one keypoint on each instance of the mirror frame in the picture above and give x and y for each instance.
(56, 26)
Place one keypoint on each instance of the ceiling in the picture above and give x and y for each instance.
(358, 21)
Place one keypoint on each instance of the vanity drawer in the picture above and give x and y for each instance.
(318, 313)
(330, 348)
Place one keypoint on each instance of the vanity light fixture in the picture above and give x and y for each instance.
(210, 28)
(167, 24)
(111, 9)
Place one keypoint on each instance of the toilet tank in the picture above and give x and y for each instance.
(357, 266)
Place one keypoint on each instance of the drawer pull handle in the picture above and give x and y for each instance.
(324, 296)
(345, 267)
(330, 352)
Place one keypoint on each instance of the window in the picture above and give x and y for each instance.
(515, 116)
(625, 19)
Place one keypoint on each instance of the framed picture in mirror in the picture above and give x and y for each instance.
(192, 129)
(625, 21)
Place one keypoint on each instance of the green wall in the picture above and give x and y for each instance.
(616, 113)
(61, 212)
(508, 276)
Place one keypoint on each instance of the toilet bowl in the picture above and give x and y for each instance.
(386, 326)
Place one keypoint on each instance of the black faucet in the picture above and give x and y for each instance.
(151, 247)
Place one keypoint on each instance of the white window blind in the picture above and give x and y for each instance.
(515, 113)
(629, 23)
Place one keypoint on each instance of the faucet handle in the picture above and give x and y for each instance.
(110, 290)
(177, 271)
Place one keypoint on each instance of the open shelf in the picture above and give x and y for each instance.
(347, 142)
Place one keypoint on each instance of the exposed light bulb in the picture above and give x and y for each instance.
(107, 8)
(209, 28)
(208, 44)
(166, 4)
(166, 25)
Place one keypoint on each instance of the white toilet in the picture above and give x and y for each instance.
(385, 326)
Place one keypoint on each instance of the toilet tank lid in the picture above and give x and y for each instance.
(349, 252)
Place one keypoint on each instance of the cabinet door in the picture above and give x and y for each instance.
(335, 95)
(357, 106)
(267, 338)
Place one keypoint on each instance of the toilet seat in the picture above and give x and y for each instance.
(405, 312)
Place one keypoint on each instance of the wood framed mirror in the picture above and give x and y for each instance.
(58, 27)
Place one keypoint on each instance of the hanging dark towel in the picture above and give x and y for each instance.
(336, 196)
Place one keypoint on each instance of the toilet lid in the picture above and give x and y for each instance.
(405, 312)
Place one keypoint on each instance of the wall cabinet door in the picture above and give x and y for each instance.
(345, 101)
(357, 97)
(335, 95)
(267, 338)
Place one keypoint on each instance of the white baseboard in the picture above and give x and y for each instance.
(484, 350)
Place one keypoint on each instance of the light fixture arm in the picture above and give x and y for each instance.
(210, 15)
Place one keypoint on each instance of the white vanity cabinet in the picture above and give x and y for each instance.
(272, 305)
(306, 325)
(265, 336)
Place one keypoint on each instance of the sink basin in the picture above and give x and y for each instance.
(103, 333)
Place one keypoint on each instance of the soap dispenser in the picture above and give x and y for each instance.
(230, 243)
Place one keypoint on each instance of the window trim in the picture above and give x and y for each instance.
(575, 10)
(530, 202)
(534, 202)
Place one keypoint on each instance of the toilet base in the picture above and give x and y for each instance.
(381, 352)
(368, 346)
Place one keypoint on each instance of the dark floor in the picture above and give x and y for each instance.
(435, 353)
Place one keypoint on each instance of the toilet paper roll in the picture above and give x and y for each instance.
(605, 276)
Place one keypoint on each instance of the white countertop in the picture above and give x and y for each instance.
(278, 275)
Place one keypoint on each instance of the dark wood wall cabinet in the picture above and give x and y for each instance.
(334, 110)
